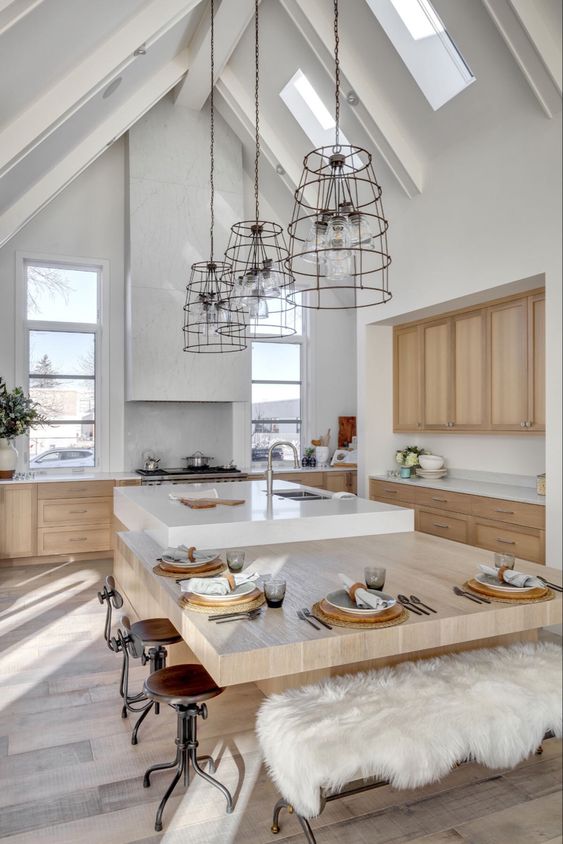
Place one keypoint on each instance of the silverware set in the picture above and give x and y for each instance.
(551, 585)
(247, 615)
(306, 615)
(415, 605)
(477, 599)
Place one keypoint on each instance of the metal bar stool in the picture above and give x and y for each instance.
(144, 640)
(184, 687)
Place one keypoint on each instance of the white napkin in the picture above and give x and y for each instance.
(208, 493)
(513, 578)
(216, 585)
(364, 599)
(180, 554)
(344, 495)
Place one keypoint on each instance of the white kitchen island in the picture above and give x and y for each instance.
(260, 520)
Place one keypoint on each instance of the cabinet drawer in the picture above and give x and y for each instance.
(59, 541)
(390, 492)
(75, 489)
(437, 498)
(526, 544)
(442, 524)
(515, 512)
(315, 479)
(66, 512)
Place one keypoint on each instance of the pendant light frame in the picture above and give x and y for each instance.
(257, 252)
(208, 308)
(338, 230)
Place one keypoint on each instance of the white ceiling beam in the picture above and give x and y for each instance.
(231, 20)
(101, 137)
(526, 55)
(239, 99)
(12, 11)
(372, 112)
(544, 34)
(85, 80)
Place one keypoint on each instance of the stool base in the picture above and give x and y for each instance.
(186, 754)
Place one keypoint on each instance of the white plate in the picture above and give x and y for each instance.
(489, 580)
(235, 595)
(341, 600)
(201, 558)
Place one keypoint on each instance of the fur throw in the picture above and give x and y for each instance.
(410, 724)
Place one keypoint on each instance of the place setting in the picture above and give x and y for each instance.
(501, 583)
(189, 562)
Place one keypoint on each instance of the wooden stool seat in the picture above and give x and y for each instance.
(181, 685)
(158, 631)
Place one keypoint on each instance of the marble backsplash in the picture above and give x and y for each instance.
(173, 430)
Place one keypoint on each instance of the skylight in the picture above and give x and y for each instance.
(309, 110)
(426, 48)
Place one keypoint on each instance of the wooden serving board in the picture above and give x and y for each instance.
(211, 600)
(170, 567)
(529, 595)
(207, 503)
(368, 618)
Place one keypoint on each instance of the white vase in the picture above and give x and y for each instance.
(8, 459)
(322, 453)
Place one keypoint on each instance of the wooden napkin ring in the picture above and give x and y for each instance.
(231, 580)
(191, 557)
(500, 573)
(354, 588)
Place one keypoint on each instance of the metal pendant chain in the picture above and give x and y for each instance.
(336, 80)
(212, 134)
(256, 110)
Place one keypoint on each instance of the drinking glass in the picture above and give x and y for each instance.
(274, 590)
(374, 577)
(235, 560)
(504, 560)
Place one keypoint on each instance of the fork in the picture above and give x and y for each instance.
(476, 599)
(303, 617)
(551, 585)
(309, 614)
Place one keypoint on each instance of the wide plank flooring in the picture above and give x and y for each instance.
(69, 774)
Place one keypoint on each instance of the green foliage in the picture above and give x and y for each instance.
(18, 413)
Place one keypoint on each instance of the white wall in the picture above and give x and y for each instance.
(490, 214)
(85, 220)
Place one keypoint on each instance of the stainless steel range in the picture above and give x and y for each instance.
(217, 474)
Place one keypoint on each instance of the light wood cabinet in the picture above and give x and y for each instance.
(340, 481)
(477, 370)
(407, 379)
(454, 527)
(18, 521)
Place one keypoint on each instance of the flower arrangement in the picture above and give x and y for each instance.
(18, 413)
(408, 456)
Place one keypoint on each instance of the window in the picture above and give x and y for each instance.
(309, 110)
(62, 334)
(276, 398)
(426, 48)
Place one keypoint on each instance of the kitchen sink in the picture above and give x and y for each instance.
(300, 495)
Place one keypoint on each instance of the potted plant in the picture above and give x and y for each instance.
(407, 458)
(18, 413)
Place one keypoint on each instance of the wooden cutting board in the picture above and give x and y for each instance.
(208, 503)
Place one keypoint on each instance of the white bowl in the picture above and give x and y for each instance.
(431, 461)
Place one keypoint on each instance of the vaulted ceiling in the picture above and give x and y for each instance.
(76, 74)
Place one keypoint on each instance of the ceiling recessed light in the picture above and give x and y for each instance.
(279, 170)
(140, 51)
(113, 86)
(352, 98)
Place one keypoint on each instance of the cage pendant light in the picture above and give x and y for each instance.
(260, 281)
(338, 232)
(208, 308)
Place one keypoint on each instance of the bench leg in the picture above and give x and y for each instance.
(305, 825)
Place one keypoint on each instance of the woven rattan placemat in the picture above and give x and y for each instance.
(240, 606)
(179, 576)
(547, 597)
(358, 625)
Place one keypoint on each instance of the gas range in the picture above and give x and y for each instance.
(216, 474)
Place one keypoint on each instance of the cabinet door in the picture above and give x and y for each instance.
(509, 365)
(18, 521)
(536, 363)
(336, 481)
(406, 377)
(437, 377)
(469, 370)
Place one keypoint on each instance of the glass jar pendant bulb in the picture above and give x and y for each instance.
(338, 231)
(259, 280)
(212, 323)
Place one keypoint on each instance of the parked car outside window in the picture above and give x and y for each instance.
(63, 457)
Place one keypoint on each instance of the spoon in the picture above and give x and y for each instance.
(417, 601)
(477, 600)
(402, 599)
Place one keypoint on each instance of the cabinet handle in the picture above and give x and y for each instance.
(439, 525)
(390, 491)
(81, 539)
(506, 541)
(522, 424)
(443, 500)
(73, 512)
(502, 510)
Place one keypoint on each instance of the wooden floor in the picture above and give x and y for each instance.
(69, 775)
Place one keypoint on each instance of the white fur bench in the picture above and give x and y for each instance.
(409, 725)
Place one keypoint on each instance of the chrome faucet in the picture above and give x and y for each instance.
(270, 471)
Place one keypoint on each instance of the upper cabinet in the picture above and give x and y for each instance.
(477, 370)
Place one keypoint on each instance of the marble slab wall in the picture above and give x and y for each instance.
(168, 174)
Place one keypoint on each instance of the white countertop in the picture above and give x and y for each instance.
(75, 476)
(258, 521)
(508, 492)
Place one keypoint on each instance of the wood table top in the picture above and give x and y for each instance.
(279, 644)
